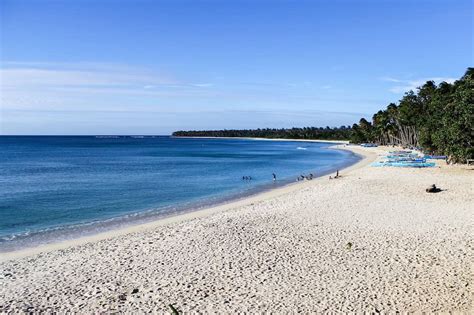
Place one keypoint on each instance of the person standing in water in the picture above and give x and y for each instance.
(274, 176)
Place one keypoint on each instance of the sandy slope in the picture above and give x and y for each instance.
(284, 251)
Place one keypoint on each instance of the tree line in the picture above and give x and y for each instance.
(339, 133)
(439, 119)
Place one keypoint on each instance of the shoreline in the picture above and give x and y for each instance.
(372, 241)
(365, 159)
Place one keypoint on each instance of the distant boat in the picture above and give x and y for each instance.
(107, 137)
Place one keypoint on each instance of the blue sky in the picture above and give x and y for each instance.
(151, 67)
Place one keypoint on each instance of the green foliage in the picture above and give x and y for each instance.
(357, 135)
(341, 133)
(456, 132)
(437, 119)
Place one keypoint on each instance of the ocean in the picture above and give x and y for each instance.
(55, 188)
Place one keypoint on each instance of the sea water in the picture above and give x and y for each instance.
(54, 188)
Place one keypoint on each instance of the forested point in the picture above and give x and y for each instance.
(341, 133)
(438, 119)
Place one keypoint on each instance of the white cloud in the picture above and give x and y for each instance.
(202, 84)
(390, 79)
(60, 85)
(34, 77)
(64, 95)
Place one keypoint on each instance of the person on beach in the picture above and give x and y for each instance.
(274, 177)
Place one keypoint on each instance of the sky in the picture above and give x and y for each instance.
(152, 67)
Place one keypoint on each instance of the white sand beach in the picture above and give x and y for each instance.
(370, 241)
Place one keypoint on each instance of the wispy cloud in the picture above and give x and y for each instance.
(390, 79)
(55, 84)
(203, 85)
(44, 76)
(405, 85)
(30, 77)
(68, 94)
(132, 121)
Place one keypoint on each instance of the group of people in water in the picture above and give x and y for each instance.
(250, 177)
(310, 176)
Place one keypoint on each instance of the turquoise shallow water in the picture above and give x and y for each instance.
(61, 187)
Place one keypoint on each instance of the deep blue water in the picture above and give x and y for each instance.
(60, 187)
